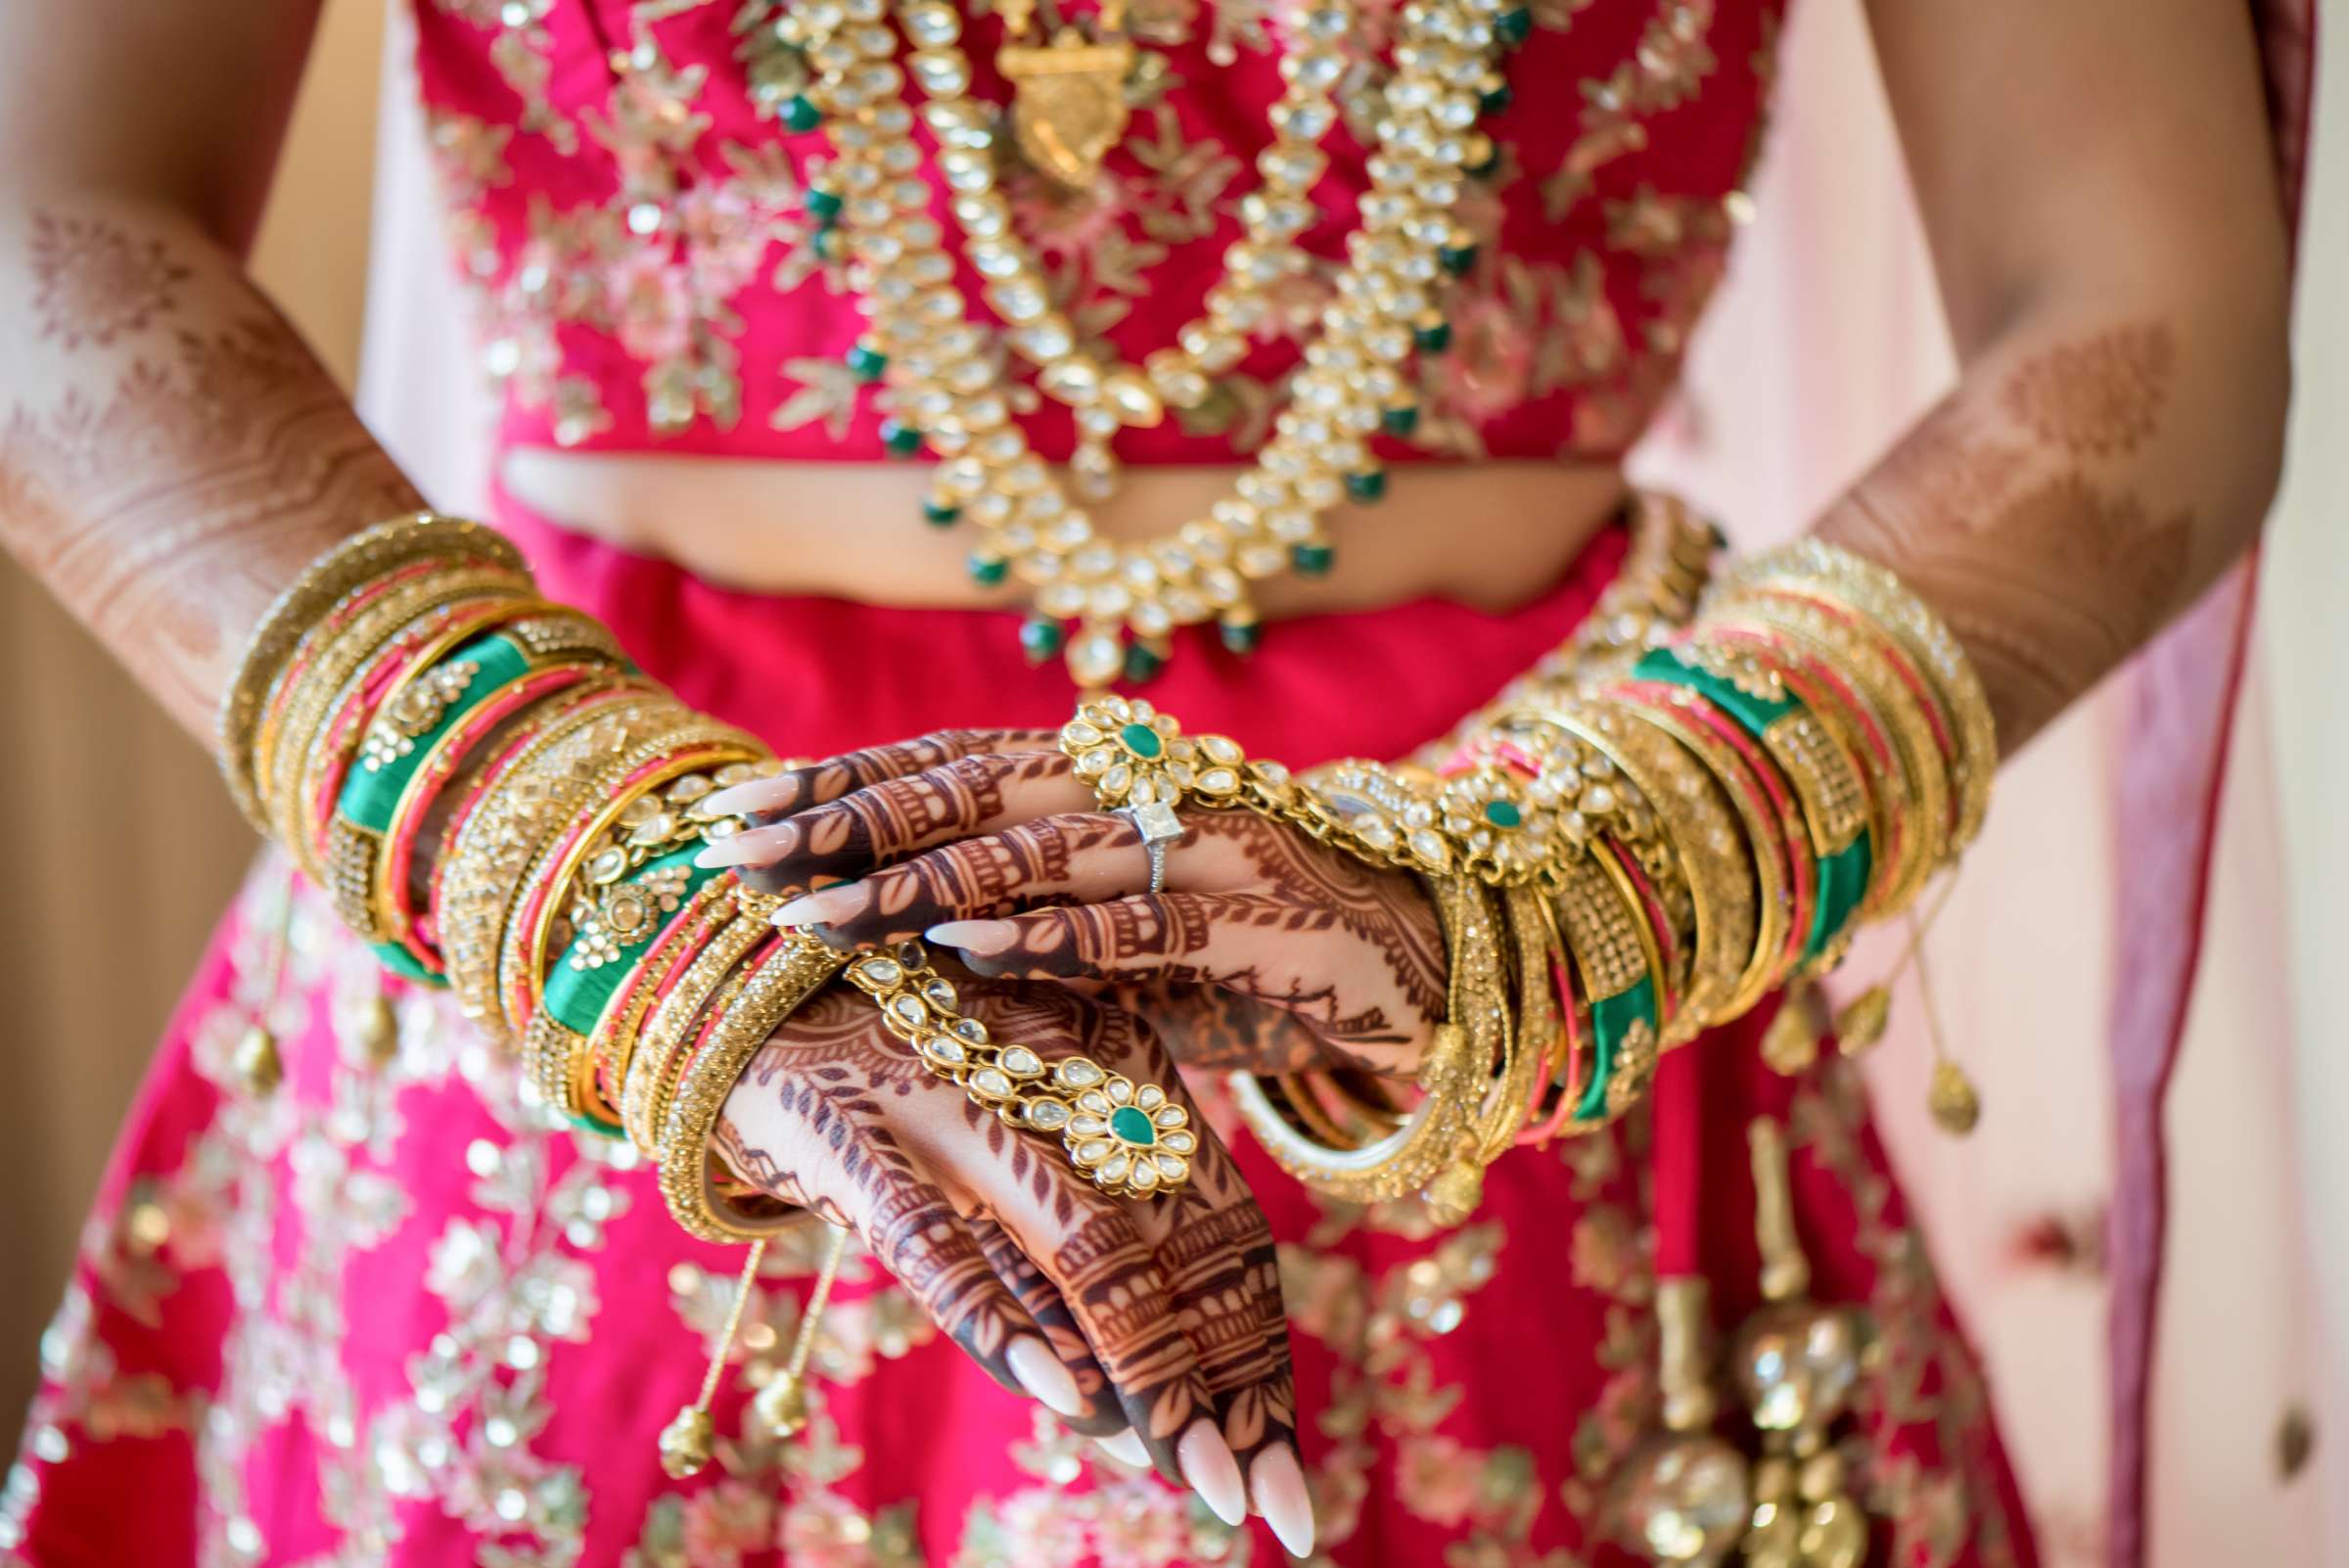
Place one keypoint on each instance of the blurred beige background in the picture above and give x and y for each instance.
(104, 789)
(91, 977)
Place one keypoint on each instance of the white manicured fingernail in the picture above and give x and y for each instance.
(822, 908)
(1125, 1448)
(752, 847)
(1278, 1488)
(982, 936)
(1205, 1462)
(1041, 1374)
(758, 795)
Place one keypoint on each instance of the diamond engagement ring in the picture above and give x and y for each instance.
(1158, 827)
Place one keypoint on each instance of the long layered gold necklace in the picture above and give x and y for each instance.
(946, 383)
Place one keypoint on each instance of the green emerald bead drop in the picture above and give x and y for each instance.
(866, 363)
(1432, 340)
(801, 115)
(900, 438)
(988, 569)
(1457, 260)
(1400, 421)
(1141, 739)
(1132, 1124)
(1314, 560)
(1041, 638)
(1504, 814)
(940, 514)
(1142, 660)
(1497, 101)
(823, 206)
(1367, 486)
(1242, 636)
(1513, 27)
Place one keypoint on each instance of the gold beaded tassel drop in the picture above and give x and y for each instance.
(781, 1407)
(1684, 1498)
(259, 1064)
(1797, 1362)
(688, 1440)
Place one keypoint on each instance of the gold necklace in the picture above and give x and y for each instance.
(1068, 95)
(946, 389)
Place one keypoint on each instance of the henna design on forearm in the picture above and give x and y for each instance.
(171, 455)
(2100, 397)
(2014, 509)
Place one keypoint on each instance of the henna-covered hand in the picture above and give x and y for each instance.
(1162, 1316)
(988, 843)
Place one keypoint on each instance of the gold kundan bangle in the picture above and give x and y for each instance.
(1860, 660)
(365, 557)
(796, 968)
(519, 812)
(612, 1047)
(1714, 863)
(695, 745)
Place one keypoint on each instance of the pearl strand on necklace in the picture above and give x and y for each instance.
(947, 387)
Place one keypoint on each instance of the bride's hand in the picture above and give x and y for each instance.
(987, 842)
(1152, 1318)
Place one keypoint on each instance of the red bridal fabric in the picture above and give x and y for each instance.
(391, 1314)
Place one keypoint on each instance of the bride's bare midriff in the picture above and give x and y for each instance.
(1492, 535)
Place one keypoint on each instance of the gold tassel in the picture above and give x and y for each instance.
(1954, 1101)
(1798, 1362)
(689, 1439)
(377, 1031)
(260, 1067)
(1791, 1045)
(1864, 1020)
(780, 1409)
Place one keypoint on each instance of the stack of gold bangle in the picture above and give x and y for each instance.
(1663, 825)
(493, 797)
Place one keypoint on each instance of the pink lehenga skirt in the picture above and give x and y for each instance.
(388, 1314)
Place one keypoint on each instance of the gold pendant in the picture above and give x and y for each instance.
(1068, 101)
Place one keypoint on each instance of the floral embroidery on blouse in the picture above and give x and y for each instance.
(632, 219)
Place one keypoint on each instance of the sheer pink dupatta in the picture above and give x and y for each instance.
(2183, 695)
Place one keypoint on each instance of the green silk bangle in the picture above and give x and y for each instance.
(403, 964)
(1756, 713)
(370, 796)
(1842, 876)
(1842, 885)
(1611, 1019)
(577, 997)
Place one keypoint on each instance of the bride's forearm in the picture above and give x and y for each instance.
(171, 454)
(2093, 472)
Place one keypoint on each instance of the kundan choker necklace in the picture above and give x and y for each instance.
(945, 382)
